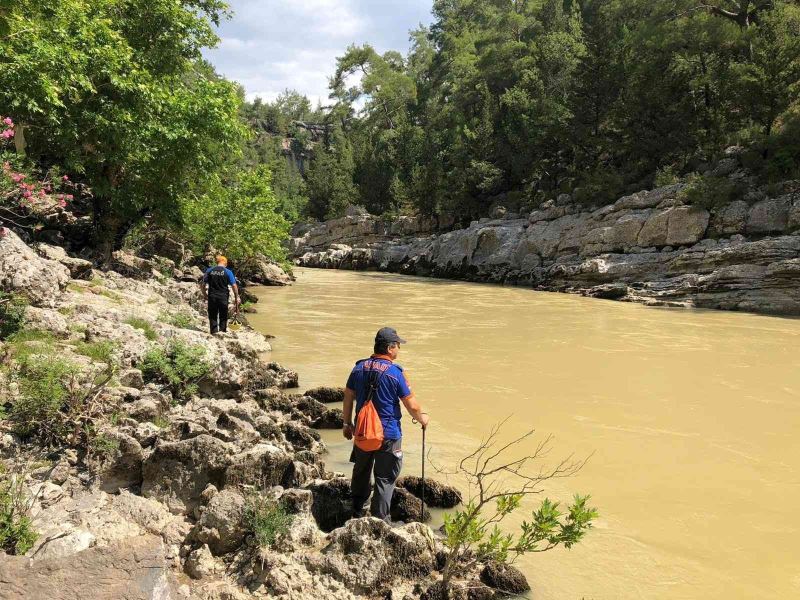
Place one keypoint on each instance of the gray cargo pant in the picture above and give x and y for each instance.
(385, 464)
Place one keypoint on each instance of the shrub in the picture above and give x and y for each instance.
(498, 484)
(666, 176)
(17, 535)
(178, 366)
(57, 402)
(267, 519)
(12, 314)
(709, 192)
(143, 325)
(102, 351)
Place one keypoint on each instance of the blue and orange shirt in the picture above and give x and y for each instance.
(218, 279)
(392, 387)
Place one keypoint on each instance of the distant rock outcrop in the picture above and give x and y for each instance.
(646, 247)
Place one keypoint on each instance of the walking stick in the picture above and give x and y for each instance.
(422, 514)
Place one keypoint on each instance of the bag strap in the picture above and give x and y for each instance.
(374, 379)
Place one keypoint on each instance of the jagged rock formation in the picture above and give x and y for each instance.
(161, 514)
(646, 247)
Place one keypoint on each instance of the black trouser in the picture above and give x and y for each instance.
(218, 313)
(386, 464)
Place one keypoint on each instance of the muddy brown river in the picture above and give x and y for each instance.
(692, 419)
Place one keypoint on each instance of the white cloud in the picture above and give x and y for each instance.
(272, 45)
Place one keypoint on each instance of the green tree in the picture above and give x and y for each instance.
(237, 215)
(115, 92)
(330, 178)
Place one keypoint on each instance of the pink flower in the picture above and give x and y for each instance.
(7, 134)
(3, 232)
(62, 203)
(42, 194)
(27, 194)
(65, 178)
(17, 177)
(8, 121)
(69, 197)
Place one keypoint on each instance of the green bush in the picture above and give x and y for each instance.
(267, 519)
(666, 176)
(44, 387)
(143, 325)
(102, 351)
(12, 314)
(709, 192)
(178, 366)
(58, 402)
(17, 535)
(104, 446)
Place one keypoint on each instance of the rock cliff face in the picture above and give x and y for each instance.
(647, 247)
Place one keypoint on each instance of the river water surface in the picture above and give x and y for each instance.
(692, 419)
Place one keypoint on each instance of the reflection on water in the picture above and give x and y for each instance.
(693, 418)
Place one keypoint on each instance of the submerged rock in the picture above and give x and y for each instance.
(406, 507)
(327, 395)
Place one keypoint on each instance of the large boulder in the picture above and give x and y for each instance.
(327, 395)
(769, 216)
(687, 225)
(133, 569)
(122, 467)
(504, 578)
(331, 506)
(264, 465)
(176, 473)
(78, 267)
(368, 554)
(221, 525)
(436, 494)
(406, 507)
(268, 272)
(24, 272)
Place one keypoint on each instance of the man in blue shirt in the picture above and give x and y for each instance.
(391, 388)
(217, 280)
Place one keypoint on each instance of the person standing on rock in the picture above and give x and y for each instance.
(377, 386)
(214, 288)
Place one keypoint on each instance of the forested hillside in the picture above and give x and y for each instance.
(513, 102)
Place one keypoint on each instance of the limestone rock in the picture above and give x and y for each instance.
(221, 525)
(133, 569)
(406, 507)
(176, 473)
(78, 267)
(24, 272)
(368, 553)
(687, 225)
(769, 216)
(504, 578)
(201, 564)
(327, 395)
(123, 468)
(436, 494)
(331, 506)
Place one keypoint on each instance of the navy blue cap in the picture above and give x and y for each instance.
(387, 335)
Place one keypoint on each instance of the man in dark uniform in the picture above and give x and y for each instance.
(391, 388)
(214, 288)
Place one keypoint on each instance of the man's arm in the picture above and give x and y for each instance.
(415, 410)
(347, 413)
(232, 283)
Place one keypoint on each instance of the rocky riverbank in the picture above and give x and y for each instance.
(139, 485)
(648, 247)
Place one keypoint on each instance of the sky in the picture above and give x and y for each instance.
(271, 45)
